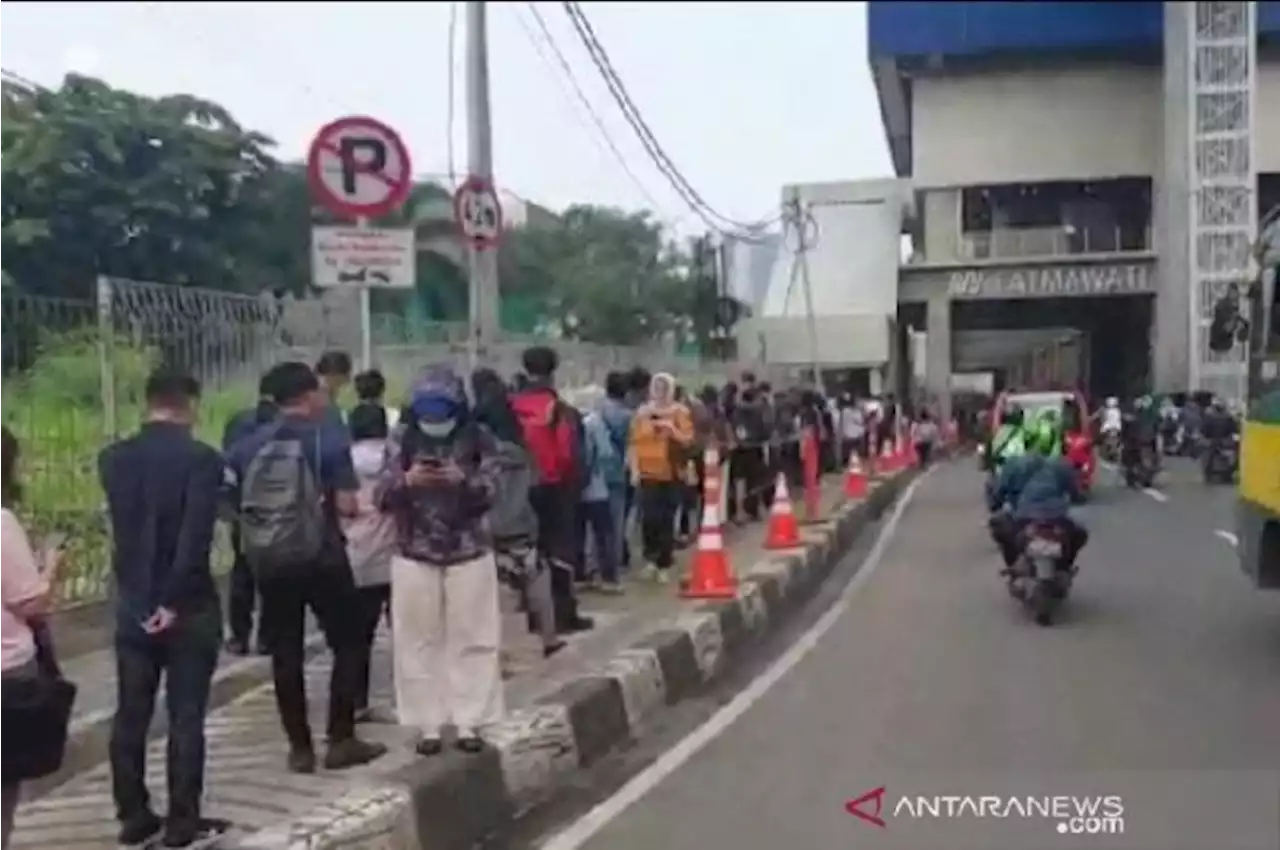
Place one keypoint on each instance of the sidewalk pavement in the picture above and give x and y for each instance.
(246, 780)
(95, 673)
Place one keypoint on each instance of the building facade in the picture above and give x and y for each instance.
(847, 274)
(1098, 166)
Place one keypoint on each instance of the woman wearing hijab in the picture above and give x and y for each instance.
(441, 482)
(513, 524)
(661, 439)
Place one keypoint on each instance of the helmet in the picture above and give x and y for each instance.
(1040, 437)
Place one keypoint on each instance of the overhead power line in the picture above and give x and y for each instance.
(696, 202)
(567, 69)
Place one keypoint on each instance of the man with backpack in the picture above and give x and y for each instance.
(294, 481)
(554, 438)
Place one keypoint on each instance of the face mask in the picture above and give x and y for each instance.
(437, 430)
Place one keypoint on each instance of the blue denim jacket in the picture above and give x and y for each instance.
(617, 420)
(1036, 488)
(601, 455)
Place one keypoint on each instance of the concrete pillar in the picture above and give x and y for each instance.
(1171, 200)
(938, 352)
(942, 225)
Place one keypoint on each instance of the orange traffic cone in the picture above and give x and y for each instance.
(855, 481)
(784, 529)
(711, 576)
(888, 462)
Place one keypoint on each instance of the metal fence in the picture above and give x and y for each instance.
(74, 372)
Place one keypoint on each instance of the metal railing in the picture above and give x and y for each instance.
(1023, 243)
(74, 372)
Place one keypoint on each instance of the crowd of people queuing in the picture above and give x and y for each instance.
(417, 512)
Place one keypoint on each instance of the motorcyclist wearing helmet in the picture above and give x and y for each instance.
(1219, 424)
(1112, 416)
(1140, 431)
(1049, 423)
(1010, 440)
(1036, 487)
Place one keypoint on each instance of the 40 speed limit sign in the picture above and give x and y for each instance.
(478, 212)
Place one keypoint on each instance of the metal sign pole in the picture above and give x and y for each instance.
(482, 263)
(366, 313)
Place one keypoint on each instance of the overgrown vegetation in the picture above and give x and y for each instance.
(56, 409)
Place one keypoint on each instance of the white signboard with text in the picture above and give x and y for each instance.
(363, 257)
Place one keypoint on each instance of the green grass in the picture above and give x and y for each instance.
(56, 410)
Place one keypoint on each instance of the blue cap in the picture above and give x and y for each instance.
(437, 395)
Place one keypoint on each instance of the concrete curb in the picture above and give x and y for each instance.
(455, 801)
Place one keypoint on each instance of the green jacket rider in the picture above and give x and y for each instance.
(1048, 428)
(1011, 439)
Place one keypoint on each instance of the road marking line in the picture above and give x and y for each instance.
(586, 827)
(1156, 494)
(1232, 540)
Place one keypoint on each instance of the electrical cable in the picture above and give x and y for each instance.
(631, 112)
(567, 69)
(617, 89)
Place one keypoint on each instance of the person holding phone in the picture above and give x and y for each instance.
(442, 476)
(661, 439)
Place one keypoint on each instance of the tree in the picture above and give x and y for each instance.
(604, 275)
(98, 180)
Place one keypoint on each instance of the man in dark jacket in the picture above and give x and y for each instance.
(162, 488)
(748, 462)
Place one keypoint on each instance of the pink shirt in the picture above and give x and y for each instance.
(20, 581)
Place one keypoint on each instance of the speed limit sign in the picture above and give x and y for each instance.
(478, 212)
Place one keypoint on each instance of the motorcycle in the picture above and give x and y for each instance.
(1173, 440)
(1078, 450)
(1221, 461)
(1041, 579)
(1142, 473)
(1111, 446)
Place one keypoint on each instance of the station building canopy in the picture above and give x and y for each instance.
(903, 35)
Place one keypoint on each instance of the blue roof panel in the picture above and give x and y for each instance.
(910, 28)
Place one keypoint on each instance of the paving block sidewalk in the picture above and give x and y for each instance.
(246, 781)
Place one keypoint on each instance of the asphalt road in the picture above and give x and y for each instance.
(1159, 685)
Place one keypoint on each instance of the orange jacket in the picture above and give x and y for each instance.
(660, 438)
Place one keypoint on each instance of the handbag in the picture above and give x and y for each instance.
(37, 712)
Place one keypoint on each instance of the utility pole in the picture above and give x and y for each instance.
(482, 263)
(800, 221)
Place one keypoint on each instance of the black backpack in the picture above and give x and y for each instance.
(282, 520)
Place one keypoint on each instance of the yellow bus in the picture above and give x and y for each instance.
(1258, 506)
